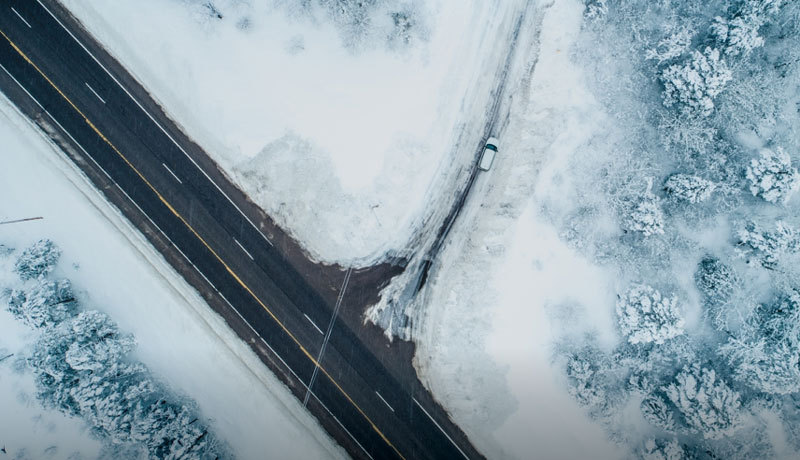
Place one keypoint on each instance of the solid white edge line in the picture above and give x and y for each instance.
(154, 121)
(173, 174)
(440, 428)
(23, 19)
(314, 324)
(384, 401)
(94, 92)
(207, 280)
(243, 249)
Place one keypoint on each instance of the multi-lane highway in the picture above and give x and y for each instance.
(302, 319)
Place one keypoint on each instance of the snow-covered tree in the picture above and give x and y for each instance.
(689, 188)
(372, 21)
(761, 7)
(45, 304)
(645, 215)
(694, 83)
(765, 353)
(592, 381)
(89, 341)
(172, 431)
(739, 35)
(658, 412)
(772, 176)
(718, 283)
(81, 368)
(707, 404)
(768, 246)
(38, 260)
(767, 367)
(715, 280)
(647, 316)
(661, 450)
(671, 47)
(582, 374)
(96, 342)
(595, 9)
(110, 399)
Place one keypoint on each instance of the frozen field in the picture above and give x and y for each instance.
(348, 139)
(113, 269)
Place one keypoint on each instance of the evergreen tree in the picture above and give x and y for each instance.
(715, 280)
(772, 176)
(769, 247)
(738, 35)
(694, 83)
(38, 260)
(645, 215)
(657, 411)
(707, 404)
(765, 353)
(689, 188)
(647, 316)
(45, 304)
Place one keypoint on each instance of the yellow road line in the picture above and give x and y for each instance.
(194, 232)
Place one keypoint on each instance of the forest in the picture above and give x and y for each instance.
(689, 198)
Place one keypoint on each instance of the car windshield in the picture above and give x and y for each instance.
(491, 147)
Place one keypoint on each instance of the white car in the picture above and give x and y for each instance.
(489, 151)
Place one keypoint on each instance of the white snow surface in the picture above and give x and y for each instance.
(26, 428)
(113, 269)
(348, 149)
(506, 286)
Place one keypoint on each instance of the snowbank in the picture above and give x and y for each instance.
(114, 270)
(342, 146)
(506, 287)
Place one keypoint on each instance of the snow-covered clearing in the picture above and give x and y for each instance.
(350, 147)
(113, 269)
(485, 338)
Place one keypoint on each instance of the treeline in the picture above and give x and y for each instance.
(82, 367)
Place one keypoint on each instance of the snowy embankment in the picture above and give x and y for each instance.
(485, 336)
(346, 138)
(113, 269)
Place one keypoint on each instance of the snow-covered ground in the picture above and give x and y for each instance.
(27, 430)
(113, 269)
(543, 249)
(485, 336)
(350, 147)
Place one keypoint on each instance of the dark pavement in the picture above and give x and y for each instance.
(363, 388)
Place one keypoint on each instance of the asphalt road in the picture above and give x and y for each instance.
(289, 311)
